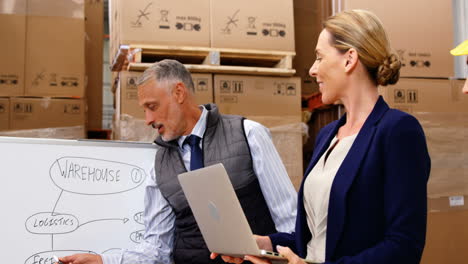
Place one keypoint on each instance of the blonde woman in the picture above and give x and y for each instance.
(363, 197)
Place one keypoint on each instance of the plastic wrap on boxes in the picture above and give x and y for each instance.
(447, 140)
(13, 7)
(122, 58)
(74, 132)
(287, 133)
(128, 128)
(288, 141)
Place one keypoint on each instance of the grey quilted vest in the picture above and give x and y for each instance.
(224, 142)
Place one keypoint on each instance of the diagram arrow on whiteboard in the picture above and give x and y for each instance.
(58, 199)
(124, 220)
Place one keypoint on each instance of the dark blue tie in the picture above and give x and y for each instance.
(196, 155)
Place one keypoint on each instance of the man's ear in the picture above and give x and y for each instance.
(179, 92)
(351, 60)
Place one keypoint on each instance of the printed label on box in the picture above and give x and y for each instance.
(225, 86)
(414, 59)
(412, 96)
(9, 79)
(285, 89)
(237, 87)
(132, 95)
(267, 29)
(164, 19)
(23, 108)
(232, 99)
(274, 30)
(39, 77)
(402, 56)
(456, 201)
(399, 96)
(188, 23)
(55, 80)
(132, 83)
(72, 109)
(142, 16)
(419, 59)
(291, 89)
(201, 84)
(252, 28)
(69, 81)
(231, 23)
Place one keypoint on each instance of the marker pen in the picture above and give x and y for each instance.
(57, 260)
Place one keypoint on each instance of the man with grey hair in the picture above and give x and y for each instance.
(190, 137)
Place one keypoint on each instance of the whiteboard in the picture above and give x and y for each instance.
(61, 197)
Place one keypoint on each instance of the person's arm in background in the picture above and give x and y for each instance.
(158, 241)
(275, 183)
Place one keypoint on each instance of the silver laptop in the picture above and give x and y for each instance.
(219, 215)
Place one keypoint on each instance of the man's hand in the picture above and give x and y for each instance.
(228, 259)
(82, 259)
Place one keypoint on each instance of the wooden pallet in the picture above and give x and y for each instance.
(213, 60)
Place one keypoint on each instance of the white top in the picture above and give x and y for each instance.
(275, 184)
(317, 195)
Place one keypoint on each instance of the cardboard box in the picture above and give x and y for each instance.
(127, 93)
(446, 238)
(420, 31)
(4, 113)
(94, 12)
(308, 23)
(260, 24)
(69, 132)
(30, 113)
(442, 109)
(426, 95)
(274, 102)
(55, 49)
(165, 22)
(12, 46)
(258, 96)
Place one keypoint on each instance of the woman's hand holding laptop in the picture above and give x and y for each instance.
(263, 242)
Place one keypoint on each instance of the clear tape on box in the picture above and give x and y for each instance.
(447, 140)
(128, 128)
(73, 132)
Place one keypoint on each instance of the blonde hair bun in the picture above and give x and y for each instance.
(389, 70)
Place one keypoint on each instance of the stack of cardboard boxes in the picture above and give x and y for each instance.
(254, 25)
(42, 78)
(430, 91)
